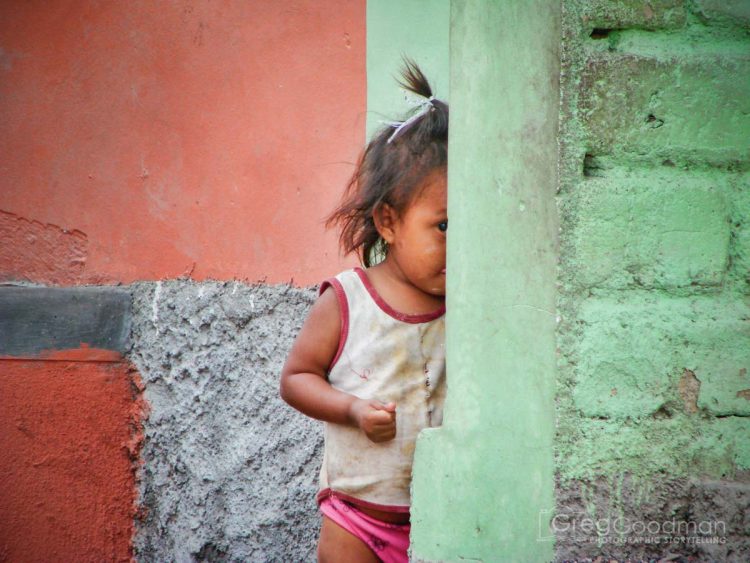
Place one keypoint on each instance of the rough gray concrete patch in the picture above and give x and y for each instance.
(229, 470)
(694, 520)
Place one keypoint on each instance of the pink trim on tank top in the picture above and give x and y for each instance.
(386, 308)
(343, 314)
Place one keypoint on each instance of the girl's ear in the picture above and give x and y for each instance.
(385, 218)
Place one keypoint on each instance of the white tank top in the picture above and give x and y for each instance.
(388, 356)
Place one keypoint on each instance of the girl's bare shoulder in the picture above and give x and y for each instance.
(318, 339)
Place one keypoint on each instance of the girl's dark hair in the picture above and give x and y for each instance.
(389, 170)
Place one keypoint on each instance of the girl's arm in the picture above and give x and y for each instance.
(303, 378)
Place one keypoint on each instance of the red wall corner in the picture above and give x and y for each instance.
(71, 443)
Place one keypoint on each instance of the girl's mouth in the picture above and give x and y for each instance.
(442, 271)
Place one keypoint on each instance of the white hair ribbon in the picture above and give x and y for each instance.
(426, 104)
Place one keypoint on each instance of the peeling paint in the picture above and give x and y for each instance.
(689, 388)
(40, 252)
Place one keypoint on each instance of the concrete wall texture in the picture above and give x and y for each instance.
(599, 286)
(229, 470)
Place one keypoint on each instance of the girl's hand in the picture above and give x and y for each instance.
(377, 420)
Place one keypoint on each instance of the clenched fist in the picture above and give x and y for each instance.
(376, 419)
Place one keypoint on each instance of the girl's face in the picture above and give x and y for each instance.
(417, 236)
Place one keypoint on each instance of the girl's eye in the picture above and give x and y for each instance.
(443, 226)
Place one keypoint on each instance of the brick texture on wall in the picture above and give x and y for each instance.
(654, 277)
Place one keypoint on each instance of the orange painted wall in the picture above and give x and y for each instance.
(71, 434)
(146, 140)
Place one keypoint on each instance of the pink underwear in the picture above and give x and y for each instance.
(389, 542)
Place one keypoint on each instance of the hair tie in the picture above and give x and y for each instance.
(402, 126)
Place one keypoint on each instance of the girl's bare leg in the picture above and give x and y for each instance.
(336, 545)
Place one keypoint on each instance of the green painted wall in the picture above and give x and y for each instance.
(654, 373)
(609, 375)
(655, 241)
(484, 480)
(416, 28)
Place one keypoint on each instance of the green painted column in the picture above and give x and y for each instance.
(483, 482)
(416, 28)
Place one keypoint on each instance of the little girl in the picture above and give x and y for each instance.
(370, 359)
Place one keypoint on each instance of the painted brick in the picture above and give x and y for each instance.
(724, 12)
(622, 370)
(633, 352)
(649, 228)
(695, 107)
(718, 352)
(739, 253)
(653, 447)
(654, 345)
(732, 432)
(618, 14)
